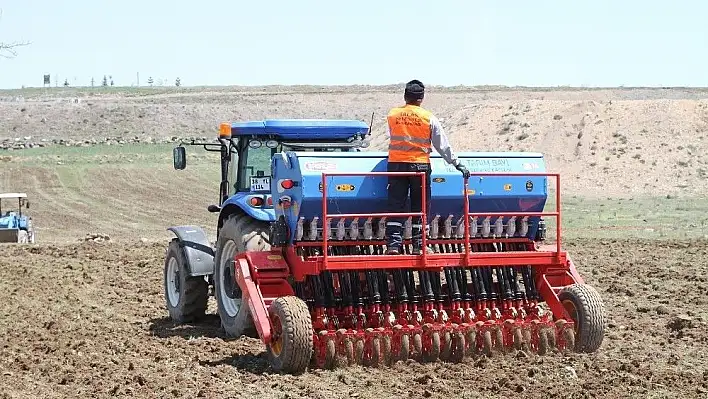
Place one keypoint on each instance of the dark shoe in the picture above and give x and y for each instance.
(393, 251)
(418, 251)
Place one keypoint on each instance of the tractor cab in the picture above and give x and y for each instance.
(14, 226)
(256, 144)
(247, 149)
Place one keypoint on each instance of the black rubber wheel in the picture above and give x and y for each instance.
(349, 350)
(186, 297)
(291, 347)
(471, 338)
(376, 356)
(359, 351)
(239, 233)
(405, 348)
(22, 237)
(487, 343)
(518, 339)
(388, 359)
(329, 357)
(30, 231)
(458, 347)
(543, 341)
(431, 353)
(445, 346)
(585, 307)
(418, 345)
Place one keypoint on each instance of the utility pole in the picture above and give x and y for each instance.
(138, 79)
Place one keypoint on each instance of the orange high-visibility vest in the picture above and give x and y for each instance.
(410, 134)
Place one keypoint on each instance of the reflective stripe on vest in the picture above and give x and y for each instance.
(410, 134)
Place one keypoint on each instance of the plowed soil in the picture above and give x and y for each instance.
(88, 320)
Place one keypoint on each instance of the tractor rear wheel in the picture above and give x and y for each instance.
(585, 307)
(239, 233)
(291, 346)
(30, 231)
(186, 296)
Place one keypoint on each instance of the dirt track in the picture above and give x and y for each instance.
(88, 320)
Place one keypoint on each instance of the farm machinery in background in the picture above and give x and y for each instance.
(14, 226)
(300, 254)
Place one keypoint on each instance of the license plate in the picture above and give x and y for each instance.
(260, 184)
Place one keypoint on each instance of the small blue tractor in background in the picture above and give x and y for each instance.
(245, 210)
(14, 226)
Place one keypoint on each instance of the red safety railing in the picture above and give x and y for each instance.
(422, 214)
(326, 217)
(556, 213)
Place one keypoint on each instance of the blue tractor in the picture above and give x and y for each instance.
(299, 258)
(245, 211)
(14, 226)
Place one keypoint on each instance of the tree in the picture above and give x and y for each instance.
(177, 82)
(150, 81)
(104, 83)
(7, 49)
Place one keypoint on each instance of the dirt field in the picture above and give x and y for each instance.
(88, 321)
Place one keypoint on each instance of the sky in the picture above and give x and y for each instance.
(441, 42)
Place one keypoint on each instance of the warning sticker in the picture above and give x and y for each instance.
(345, 187)
(320, 166)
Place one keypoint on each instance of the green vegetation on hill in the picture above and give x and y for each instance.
(131, 191)
(641, 217)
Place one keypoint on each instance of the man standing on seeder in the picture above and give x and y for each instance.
(412, 129)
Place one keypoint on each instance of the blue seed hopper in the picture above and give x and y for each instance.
(297, 194)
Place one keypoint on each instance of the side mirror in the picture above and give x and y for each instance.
(179, 157)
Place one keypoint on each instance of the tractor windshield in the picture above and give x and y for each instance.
(257, 168)
(254, 164)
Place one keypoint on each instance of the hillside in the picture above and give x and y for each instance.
(600, 138)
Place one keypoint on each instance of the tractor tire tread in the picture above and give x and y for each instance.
(297, 329)
(22, 237)
(196, 290)
(592, 320)
(242, 229)
(257, 238)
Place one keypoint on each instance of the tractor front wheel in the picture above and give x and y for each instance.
(291, 346)
(585, 307)
(186, 296)
(239, 233)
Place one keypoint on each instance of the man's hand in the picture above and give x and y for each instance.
(465, 173)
